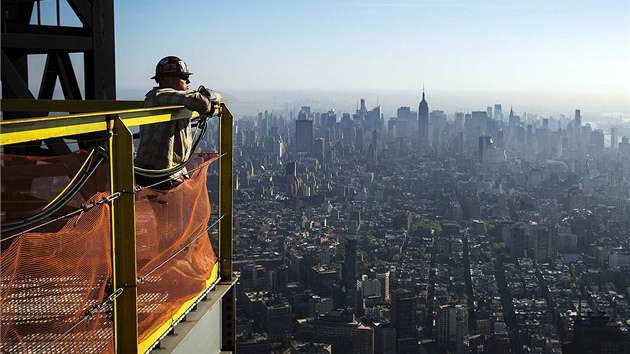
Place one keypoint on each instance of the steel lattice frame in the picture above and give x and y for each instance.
(94, 39)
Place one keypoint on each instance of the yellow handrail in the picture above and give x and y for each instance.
(115, 118)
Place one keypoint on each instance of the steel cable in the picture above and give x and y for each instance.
(84, 208)
(142, 278)
(62, 199)
(140, 188)
(88, 314)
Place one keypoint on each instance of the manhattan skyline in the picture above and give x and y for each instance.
(533, 56)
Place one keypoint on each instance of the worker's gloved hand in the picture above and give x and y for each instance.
(214, 98)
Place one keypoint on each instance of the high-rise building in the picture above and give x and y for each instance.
(349, 272)
(597, 140)
(614, 138)
(578, 118)
(484, 143)
(404, 119)
(338, 328)
(318, 306)
(404, 320)
(512, 120)
(597, 334)
(624, 146)
(291, 169)
(304, 135)
(498, 113)
(277, 318)
(370, 287)
(403, 113)
(576, 199)
(384, 339)
(254, 277)
(452, 326)
(362, 109)
(384, 279)
(459, 122)
(423, 122)
(319, 150)
(279, 278)
(359, 140)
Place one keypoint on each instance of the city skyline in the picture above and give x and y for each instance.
(563, 51)
(405, 177)
(492, 232)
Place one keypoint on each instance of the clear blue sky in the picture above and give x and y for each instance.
(550, 45)
(528, 46)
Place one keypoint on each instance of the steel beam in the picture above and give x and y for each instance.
(15, 77)
(33, 129)
(226, 251)
(99, 62)
(225, 194)
(75, 106)
(44, 43)
(123, 229)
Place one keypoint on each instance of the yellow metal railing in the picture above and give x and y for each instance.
(115, 118)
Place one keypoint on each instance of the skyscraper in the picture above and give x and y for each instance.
(404, 115)
(484, 143)
(498, 113)
(303, 135)
(359, 139)
(423, 122)
(349, 272)
(578, 118)
(624, 146)
(596, 334)
(404, 320)
(452, 326)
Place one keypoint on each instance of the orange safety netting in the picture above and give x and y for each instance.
(56, 280)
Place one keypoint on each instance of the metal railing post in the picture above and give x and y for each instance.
(123, 230)
(228, 301)
(225, 194)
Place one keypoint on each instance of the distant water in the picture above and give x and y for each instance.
(595, 107)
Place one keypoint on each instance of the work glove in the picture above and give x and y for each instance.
(214, 98)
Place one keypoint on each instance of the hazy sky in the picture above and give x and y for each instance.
(527, 46)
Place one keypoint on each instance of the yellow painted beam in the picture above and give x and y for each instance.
(39, 128)
(123, 230)
(25, 105)
(225, 194)
(117, 123)
(228, 302)
(183, 309)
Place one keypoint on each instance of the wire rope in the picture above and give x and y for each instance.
(62, 199)
(142, 278)
(87, 159)
(88, 314)
(84, 208)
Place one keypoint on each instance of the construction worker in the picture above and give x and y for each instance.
(168, 144)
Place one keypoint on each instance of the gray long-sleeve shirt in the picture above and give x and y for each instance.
(165, 145)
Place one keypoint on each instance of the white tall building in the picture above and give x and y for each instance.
(384, 279)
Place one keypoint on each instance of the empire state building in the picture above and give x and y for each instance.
(423, 123)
